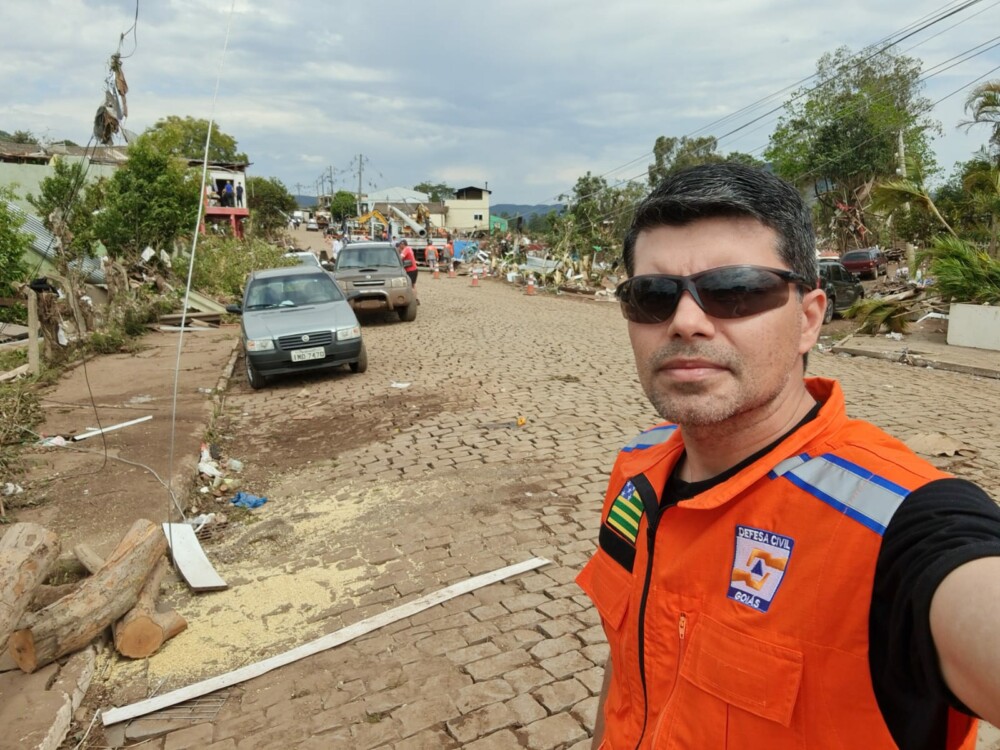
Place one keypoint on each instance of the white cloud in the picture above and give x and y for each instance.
(526, 95)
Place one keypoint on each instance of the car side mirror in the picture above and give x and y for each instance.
(234, 309)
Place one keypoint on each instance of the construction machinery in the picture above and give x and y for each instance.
(418, 230)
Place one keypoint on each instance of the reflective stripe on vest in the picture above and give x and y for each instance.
(649, 438)
(855, 491)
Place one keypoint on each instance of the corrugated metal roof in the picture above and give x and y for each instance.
(44, 244)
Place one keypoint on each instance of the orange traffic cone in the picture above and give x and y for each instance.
(475, 279)
(530, 290)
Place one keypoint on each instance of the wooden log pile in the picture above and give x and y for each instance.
(40, 623)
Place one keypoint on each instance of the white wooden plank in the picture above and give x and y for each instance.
(190, 558)
(148, 706)
(112, 428)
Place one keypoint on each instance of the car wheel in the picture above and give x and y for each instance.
(828, 315)
(254, 378)
(362, 364)
(409, 313)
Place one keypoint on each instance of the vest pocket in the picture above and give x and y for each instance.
(608, 585)
(746, 687)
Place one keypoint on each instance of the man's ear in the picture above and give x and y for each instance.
(813, 312)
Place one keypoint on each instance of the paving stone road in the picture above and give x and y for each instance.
(452, 487)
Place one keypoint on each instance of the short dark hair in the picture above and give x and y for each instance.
(730, 189)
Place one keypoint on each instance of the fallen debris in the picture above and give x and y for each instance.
(190, 558)
(72, 622)
(112, 428)
(124, 713)
(27, 553)
(935, 444)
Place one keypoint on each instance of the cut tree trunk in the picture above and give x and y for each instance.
(89, 559)
(142, 631)
(75, 620)
(27, 553)
(46, 594)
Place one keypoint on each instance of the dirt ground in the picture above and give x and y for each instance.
(95, 489)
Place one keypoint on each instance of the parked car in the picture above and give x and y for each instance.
(297, 319)
(372, 277)
(869, 261)
(842, 287)
(312, 225)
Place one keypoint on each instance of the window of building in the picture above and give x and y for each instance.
(477, 217)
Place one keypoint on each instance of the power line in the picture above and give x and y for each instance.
(906, 32)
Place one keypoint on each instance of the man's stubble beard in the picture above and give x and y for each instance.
(704, 404)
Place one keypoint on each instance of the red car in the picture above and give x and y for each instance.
(869, 261)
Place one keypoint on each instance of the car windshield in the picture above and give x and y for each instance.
(858, 255)
(292, 291)
(367, 257)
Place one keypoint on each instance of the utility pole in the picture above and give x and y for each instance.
(361, 164)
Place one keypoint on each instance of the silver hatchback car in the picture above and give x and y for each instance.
(297, 319)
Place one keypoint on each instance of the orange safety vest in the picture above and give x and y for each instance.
(739, 618)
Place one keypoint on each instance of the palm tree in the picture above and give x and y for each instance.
(984, 106)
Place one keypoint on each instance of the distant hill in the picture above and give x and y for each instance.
(520, 209)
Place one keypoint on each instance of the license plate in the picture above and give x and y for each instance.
(369, 304)
(303, 355)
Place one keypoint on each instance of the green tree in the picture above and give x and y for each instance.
(437, 191)
(983, 104)
(844, 131)
(269, 203)
(673, 154)
(343, 206)
(841, 136)
(64, 194)
(13, 245)
(24, 136)
(152, 200)
(185, 137)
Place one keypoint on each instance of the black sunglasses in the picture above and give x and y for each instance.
(726, 292)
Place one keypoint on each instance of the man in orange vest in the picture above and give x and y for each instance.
(770, 573)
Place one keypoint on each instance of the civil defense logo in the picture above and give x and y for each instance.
(759, 564)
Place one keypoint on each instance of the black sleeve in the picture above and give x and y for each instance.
(938, 528)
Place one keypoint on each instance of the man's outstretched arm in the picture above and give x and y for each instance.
(965, 625)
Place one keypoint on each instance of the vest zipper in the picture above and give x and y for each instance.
(652, 510)
(681, 646)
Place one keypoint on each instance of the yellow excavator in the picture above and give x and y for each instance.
(375, 215)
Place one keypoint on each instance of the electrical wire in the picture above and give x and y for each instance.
(194, 249)
(906, 32)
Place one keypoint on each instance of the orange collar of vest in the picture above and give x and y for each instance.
(658, 461)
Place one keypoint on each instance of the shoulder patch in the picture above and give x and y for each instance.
(649, 438)
(620, 527)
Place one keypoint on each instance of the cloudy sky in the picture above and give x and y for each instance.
(523, 95)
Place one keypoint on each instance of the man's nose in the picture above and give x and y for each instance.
(689, 319)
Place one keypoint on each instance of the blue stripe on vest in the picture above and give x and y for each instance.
(853, 490)
(649, 438)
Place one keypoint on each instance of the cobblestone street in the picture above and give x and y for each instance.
(436, 482)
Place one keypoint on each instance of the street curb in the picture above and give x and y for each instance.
(917, 360)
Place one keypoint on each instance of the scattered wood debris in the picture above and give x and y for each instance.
(47, 622)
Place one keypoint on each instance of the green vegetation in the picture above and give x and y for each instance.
(185, 137)
(270, 203)
(222, 265)
(13, 267)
